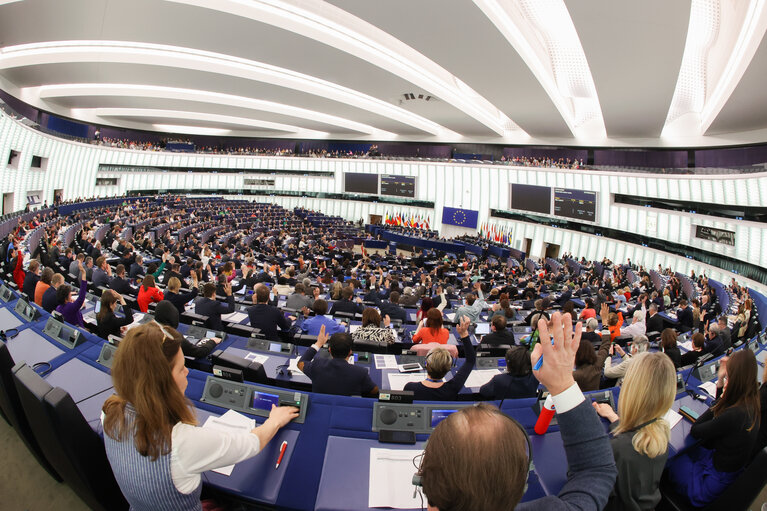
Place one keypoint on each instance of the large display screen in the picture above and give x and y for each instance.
(355, 182)
(577, 204)
(402, 186)
(531, 198)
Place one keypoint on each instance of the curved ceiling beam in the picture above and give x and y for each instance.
(543, 34)
(96, 115)
(126, 52)
(44, 92)
(722, 38)
(335, 27)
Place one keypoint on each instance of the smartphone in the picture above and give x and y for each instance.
(396, 437)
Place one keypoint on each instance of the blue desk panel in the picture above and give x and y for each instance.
(31, 347)
(255, 478)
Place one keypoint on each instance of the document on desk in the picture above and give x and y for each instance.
(397, 381)
(137, 317)
(391, 474)
(231, 422)
(710, 388)
(450, 316)
(479, 377)
(385, 361)
(686, 345)
(293, 366)
(354, 328)
(256, 357)
(672, 418)
(234, 317)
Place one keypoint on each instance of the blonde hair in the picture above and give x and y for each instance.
(173, 285)
(438, 362)
(637, 406)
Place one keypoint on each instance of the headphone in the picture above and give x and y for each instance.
(418, 476)
(8, 334)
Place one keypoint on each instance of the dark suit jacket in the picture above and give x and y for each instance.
(111, 324)
(179, 300)
(336, 375)
(123, 287)
(506, 386)
(654, 323)
(393, 310)
(714, 346)
(346, 306)
(49, 300)
(214, 309)
(685, 317)
(505, 336)
(267, 318)
(30, 283)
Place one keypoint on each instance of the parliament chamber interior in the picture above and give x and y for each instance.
(347, 255)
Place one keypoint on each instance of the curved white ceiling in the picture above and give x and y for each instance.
(558, 72)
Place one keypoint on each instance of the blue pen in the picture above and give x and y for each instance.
(539, 363)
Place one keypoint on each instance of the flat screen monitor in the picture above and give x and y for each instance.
(401, 186)
(264, 401)
(575, 204)
(531, 198)
(275, 346)
(438, 416)
(355, 182)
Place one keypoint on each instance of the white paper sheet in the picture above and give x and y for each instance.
(354, 328)
(397, 381)
(686, 345)
(710, 388)
(391, 474)
(257, 357)
(450, 316)
(672, 418)
(293, 366)
(234, 317)
(137, 317)
(385, 361)
(479, 377)
(231, 421)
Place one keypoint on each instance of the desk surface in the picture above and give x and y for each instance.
(8, 319)
(31, 347)
(80, 380)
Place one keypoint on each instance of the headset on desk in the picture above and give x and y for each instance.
(8, 334)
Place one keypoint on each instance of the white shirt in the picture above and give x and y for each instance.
(634, 329)
(195, 450)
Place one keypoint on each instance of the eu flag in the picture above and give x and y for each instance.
(461, 217)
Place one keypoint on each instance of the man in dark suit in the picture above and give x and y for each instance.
(50, 302)
(266, 317)
(684, 316)
(208, 306)
(714, 343)
(120, 284)
(102, 272)
(499, 333)
(137, 268)
(392, 308)
(654, 321)
(724, 332)
(31, 279)
(335, 375)
(345, 304)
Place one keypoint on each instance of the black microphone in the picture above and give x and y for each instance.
(701, 360)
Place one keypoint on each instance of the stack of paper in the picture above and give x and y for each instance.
(293, 366)
(391, 474)
(234, 317)
(686, 345)
(672, 418)
(710, 388)
(397, 381)
(385, 361)
(479, 377)
(231, 422)
(256, 358)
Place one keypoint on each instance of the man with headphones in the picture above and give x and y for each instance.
(479, 459)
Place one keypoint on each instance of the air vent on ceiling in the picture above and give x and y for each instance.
(410, 96)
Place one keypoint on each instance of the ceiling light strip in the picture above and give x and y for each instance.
(55, 52)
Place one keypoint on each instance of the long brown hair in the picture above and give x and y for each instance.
(107, 299)
(742, 386)
(148, 282)
(434, 320)
(141, 374)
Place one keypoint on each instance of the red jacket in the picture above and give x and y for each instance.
(147, 296)
(18, 271)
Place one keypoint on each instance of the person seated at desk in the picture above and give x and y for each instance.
(473, 305)
(267, 317)
(589, 311)
(669, 346)
(69, 308)
(640, 435)
(477, 458)
(102, 273)
(167, 314)
(314, 324)
(213, 309)
(684, 316)
(31, 279)
(179, 300)
(148, 293)
(431, 329)
(42, 286)
(106, 320)
(335, 375)
(517, 382)
(728, 431)
(692, 356)
(588, 365)
(50, 301)
(591, 334)
(392, 309)
(120, 284)
(499, 333)
(639, 344)
(724, 332)
(654, 321)
(637, 326)
(298, 300)
(371, 331)
(714, 343)
(152, 441)
(345, 304)
(438, 363)
(541, 304)
(504, 308)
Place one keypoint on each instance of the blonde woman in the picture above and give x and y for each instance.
(640, 435)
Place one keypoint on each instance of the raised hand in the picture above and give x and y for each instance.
(556, 373)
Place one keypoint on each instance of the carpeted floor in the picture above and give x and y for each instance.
(24, 484)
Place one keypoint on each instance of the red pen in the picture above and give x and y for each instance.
(283, 447)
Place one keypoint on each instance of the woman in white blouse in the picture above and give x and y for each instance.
(156, 450)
